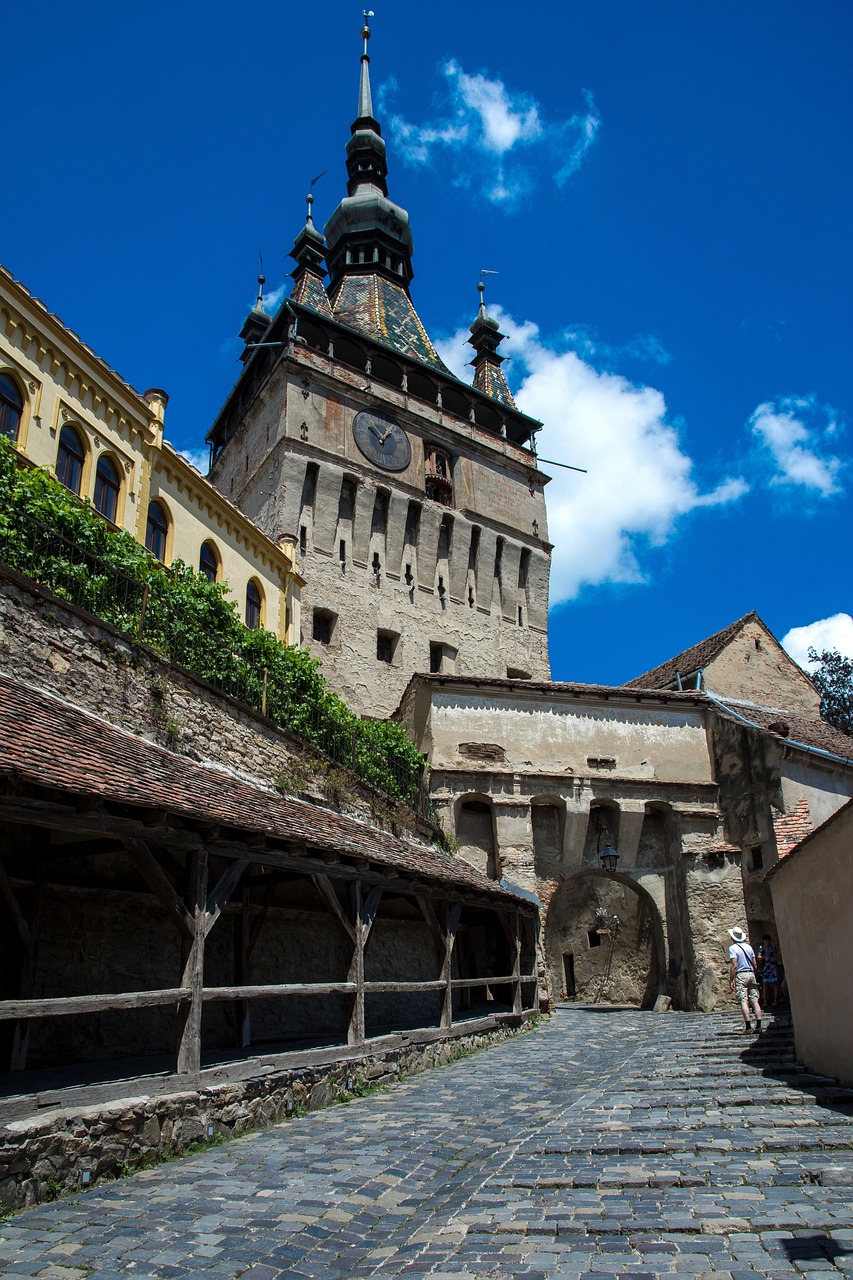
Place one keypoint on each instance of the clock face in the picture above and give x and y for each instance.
(382, 440)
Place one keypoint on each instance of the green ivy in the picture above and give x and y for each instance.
(52, 536)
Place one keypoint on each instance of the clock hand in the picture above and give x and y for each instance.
(376, 433)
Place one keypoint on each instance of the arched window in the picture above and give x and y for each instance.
(156, 531)
(70, 457)
(107, 488)
(208, 563)
(254, 605)
(11, 408)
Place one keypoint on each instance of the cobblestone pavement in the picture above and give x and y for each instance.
(599, 1145)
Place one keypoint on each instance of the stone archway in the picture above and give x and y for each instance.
(590, 961)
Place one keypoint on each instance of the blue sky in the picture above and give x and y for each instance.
(664, 189)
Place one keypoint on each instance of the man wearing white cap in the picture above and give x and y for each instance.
(742, 979)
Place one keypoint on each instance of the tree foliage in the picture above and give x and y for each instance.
(60, 541)
(833, 678)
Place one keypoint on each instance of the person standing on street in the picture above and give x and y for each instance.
(742, 979)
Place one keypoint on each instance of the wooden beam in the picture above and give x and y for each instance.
(189, 1016)
(64, 1006)
(159, 883)
(274, 989)
(516, 965)
(222, 890)
(327, 892)
(428, 912)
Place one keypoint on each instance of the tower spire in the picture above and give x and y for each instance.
(365, 98)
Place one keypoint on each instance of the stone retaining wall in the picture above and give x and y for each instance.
(47, 1154)
(66, 652)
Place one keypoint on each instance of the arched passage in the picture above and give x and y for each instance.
(604, 941)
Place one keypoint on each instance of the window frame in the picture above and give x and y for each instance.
(166, 529)
(256, 621)
(63, 452)
(7, 404)
(108, 485)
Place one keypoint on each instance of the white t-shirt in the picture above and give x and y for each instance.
(744, 954)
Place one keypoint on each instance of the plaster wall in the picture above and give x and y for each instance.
(825, 789)
(545, 734)
(754, 666)
(814, 917)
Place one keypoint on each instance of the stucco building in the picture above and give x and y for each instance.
(65, 409)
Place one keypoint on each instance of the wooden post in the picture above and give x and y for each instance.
(189, 1015)
(355, 1032)
(452, 916)
(364, 914)
(516, 966)
(242, 962)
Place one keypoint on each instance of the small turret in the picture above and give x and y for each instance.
(485, 338)
(256, 322)
(309, 251)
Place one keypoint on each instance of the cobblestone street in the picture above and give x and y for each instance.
(600, 1144)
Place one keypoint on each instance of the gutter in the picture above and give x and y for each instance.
(801, 746)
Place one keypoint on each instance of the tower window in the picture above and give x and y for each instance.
(323, 626)
(386, 644)
(436, 653)
(11, 408)
(438, 481)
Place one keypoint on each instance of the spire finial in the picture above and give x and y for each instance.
(365, 98)
(481, 287)
(309, 200)
(259, 304)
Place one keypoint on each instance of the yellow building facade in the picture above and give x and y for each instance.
(64, 409)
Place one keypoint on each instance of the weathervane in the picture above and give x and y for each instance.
(481, 287)
(367, 14)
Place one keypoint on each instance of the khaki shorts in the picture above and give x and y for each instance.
(746, 985)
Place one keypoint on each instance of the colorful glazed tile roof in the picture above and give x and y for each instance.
(309, 290)
(381, 309)
(491, 382)
(50, 744)
(792, 827)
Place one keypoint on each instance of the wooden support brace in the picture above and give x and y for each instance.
(222, 890)
(159, 884)
(21, 1034)
(364, 914)
(453, 915)
(327, 891)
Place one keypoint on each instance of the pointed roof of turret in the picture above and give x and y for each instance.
(256, 323)
(485, 338)
(309, 251)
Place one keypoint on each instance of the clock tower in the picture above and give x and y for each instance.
(414, 499)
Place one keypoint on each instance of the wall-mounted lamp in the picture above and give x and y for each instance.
(609, 857)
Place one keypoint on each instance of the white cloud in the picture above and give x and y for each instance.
(827, 633)
(491, 126)
(795, 431)
(198, 458)
(639, 479)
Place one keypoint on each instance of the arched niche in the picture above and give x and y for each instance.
(548, 821)
(455, 401)
(602, 828)
(420, 385)
(475, 834)
(315, 335)
(385, 370)
(349, 352)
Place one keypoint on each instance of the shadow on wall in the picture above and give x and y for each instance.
(604, 942)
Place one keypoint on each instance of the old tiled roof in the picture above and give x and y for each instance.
(791, 827)
(381, 309)
(310, 291)
(811, 733)
(50, 744)
(491, 381)
(690, 660)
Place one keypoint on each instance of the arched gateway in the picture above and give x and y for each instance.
(604, 941)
